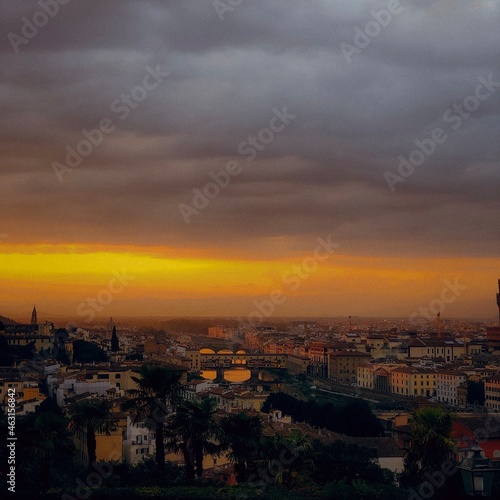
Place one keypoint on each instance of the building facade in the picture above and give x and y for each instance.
(343, 365)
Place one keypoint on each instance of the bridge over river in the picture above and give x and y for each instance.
(239, 366)
(226, 360)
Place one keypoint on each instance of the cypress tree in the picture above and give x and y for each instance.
(115, 346)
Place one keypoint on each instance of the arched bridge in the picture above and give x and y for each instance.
(213, 361)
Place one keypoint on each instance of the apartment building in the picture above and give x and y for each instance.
(447, 384)
(413, 381)
(492, 393)
(138, 442)
(343, 365)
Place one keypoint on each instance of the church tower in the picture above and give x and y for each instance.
(34, 319)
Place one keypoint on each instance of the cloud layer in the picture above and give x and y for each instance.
(323, 173)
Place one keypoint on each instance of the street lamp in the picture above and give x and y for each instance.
(477, 474)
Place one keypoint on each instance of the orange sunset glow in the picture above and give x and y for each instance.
(250, 249)
(206, 162)
(156, 281)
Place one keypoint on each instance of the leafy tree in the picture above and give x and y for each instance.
(341, 461)
(430, 444)
(60, 339)
(115, 345)
(193, 431)
(87, 352)
(241, 434)
(24, 351)
(92, 416)
(341, 490)
(62, 357)
(354, 419)
(146, 473)
(156, 387)
(49, 405)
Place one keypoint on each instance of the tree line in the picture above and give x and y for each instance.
(354, 419)
(264, 463)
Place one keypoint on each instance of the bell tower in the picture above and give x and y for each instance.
(34, 319)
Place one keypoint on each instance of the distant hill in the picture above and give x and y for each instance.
(7, 321)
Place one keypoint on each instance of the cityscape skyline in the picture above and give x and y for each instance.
(250, 249)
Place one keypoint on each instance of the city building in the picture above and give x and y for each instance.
(296, 364)
(413, 381)
(492, 393)
(493, 337)
(366, 375)
(447, 384)
(343, 365)
(138, 442)
(92, 378)
(236, 399)
(109, 447)
(468, 430)
(447, 349)
(18, 335)
(194, 388)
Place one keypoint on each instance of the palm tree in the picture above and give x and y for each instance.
(430, 443)
(92, 416)
(241, 434)
(193, 431)
(157, 387)
(47, 437)
(285, 457)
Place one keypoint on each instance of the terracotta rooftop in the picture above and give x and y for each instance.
(350, 353)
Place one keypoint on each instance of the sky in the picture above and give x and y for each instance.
(246, 158)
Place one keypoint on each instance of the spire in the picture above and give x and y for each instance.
(34, 319)
(110, 325)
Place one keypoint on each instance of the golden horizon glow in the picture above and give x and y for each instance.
(69, 274)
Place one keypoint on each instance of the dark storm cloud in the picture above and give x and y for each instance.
(323, 173)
